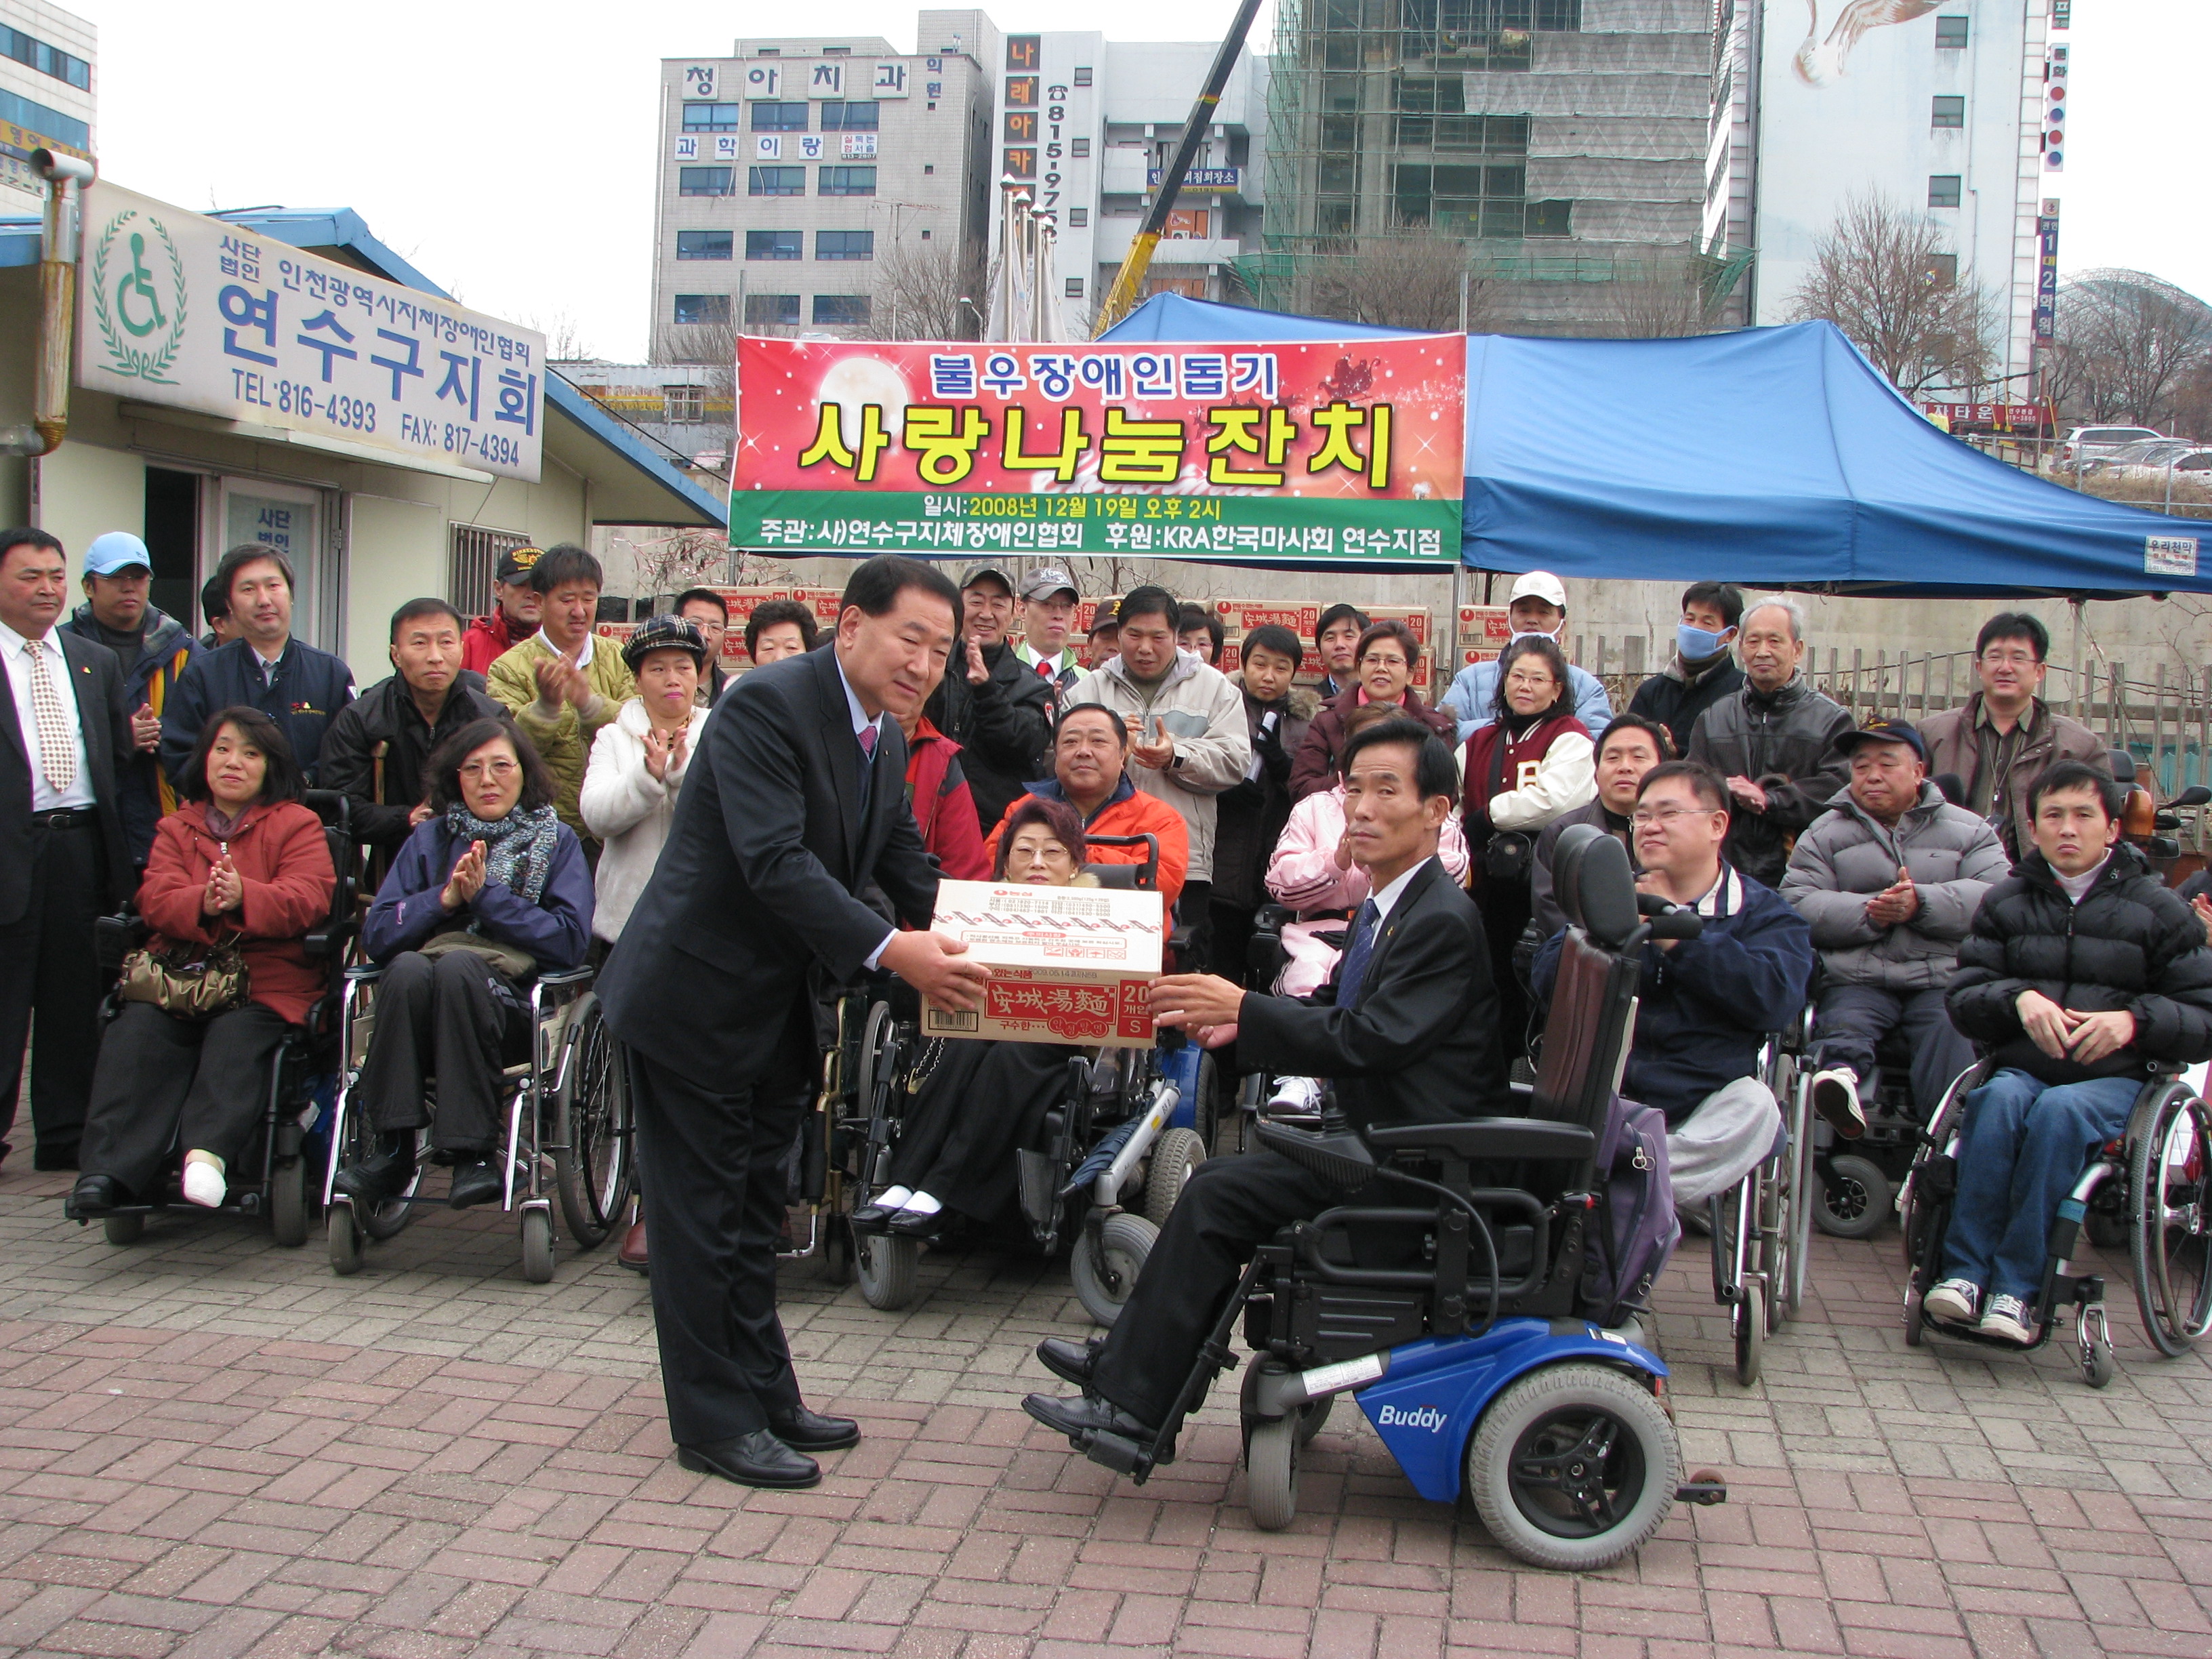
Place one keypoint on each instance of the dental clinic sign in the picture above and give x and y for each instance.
(178, 308)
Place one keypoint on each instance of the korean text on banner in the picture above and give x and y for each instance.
(1069, 964)
(178, 308)
(1286, 451)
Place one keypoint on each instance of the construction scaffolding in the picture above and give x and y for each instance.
(1538, 164)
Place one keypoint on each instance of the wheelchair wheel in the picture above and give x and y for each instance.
(591, 1160)
(1105, 1265)
(1271, 1473)
(1205, 1108)
(288, 1202)
(537, 1246)
(345, 1237)
(2169, 1159)
(1310, 1418)
(1748, 1318)
(1573, 1466)
(1852, 1201)
(886, 1268)
(1916, 1322)
(122, 1229)
(874, 1037)
(1175, 1154)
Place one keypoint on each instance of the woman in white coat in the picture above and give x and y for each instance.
(638, 762)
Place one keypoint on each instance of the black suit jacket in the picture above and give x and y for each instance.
(756, 888)
(104, 715)
(1420, 1040)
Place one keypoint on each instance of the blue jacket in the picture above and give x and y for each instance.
(1708, 1004)
(146, 798)
(557, 929)
(303, 696)
(1475, 687)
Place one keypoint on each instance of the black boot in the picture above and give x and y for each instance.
(477, 1181)
(383, 1174)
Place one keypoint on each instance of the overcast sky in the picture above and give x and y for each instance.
(508, 150)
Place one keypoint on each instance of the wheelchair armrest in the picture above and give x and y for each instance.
(1272, 918)
(565, 977)
(328, 940)
(366, 974)
(116, 937)
(1489, 1136)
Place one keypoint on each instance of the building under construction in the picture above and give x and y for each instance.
(1536, 166)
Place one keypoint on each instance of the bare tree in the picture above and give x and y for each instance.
(2127, 344)
(1408, 278)
(679, 559)
(564, 338)
(928, 291)
(1661, 301)
(1882, 275)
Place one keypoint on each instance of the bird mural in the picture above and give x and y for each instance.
(1819, 62)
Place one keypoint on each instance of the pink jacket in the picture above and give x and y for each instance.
(1302, 874)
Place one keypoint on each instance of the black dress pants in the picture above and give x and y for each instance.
(712, 1154)
(164, 1087)
(454, 1018)
(49, 967)
(1230, 1206)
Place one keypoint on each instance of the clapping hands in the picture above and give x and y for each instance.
(225, 891)
(2063, 1034)
(560, 680)
(467, 880)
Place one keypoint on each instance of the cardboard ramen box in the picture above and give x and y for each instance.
(1483, 628)
(1069, 964)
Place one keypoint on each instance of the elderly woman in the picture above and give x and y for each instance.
(1387, 655)
(241, 862)
(981, 1100)
(484, 897)
(1532, 763)
(638, 763)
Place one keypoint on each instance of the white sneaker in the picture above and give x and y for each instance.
(1295, 1097)
(2008, 1318)
(204, 1183)
(1957, 1300)
(1836, 1098)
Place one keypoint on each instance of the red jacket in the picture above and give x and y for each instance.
(944, 808)
(1316, 765)
(1525, 750)
(486, 640)
(283, 864)
(1127, 812)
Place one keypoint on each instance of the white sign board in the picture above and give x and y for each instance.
(178, 308)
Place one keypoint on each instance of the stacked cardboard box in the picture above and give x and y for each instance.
(1483, 632)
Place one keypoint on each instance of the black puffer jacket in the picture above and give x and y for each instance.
(1003, 726)
(2130, 943)
(1783, 741)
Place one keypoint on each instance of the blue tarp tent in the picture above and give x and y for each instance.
(1773, 457)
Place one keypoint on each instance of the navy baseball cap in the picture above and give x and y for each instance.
(1882, 730)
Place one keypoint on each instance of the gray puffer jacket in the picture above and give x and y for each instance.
(1847, 856)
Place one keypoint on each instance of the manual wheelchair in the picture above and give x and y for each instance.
(568, 1105)
(2147, 1187)
(282, 1183)
(1458, 1315)
(1118, 1144)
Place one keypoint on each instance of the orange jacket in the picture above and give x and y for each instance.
(1127, 812)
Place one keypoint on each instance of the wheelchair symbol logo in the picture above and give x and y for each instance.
(138, 296)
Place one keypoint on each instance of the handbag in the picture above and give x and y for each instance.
(1508, 854)
(185, 985)
(511, 960)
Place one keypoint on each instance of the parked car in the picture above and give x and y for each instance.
(2143, 451)
(2085, 444)
(2188, 464)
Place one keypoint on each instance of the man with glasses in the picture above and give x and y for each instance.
(2006, 737)
(1705, 1004)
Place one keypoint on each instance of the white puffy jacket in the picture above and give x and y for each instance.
(629, 810)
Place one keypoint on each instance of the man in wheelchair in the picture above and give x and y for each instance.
(1407, 1028)
(2080, 967)
(1705, 1005)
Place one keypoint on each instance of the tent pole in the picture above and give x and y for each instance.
(1451, 629)
(2074, 674)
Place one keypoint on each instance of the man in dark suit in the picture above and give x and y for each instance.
(64, 725)
(1408, 1027)
(794, 804)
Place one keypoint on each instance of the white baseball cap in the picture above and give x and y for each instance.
(1538, 584)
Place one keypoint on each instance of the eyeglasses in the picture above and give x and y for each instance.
(1665, 817)
(2009, 658)
(476, 771)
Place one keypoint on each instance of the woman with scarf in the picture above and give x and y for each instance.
(1533, 762)
(241, 862)
(487, 894)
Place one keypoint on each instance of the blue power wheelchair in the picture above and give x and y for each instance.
(1117, 1145)
(1466, 1317)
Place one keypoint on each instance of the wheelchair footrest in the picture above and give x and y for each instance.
(1126, 1456)
(1705, 1486)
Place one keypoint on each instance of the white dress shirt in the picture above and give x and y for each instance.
(861, 723)
(1387, 900)
(44, 797)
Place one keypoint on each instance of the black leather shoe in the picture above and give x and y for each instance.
(758, 1459)
(870, 1217)
(810, 1431)
(62, 1157)
(908, 1223)
(1071, 1362)
(94, 1194)
(383, 1174)
(475, 1182)
(1085, 1417)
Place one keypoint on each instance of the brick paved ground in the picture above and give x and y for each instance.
(211, 1447)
